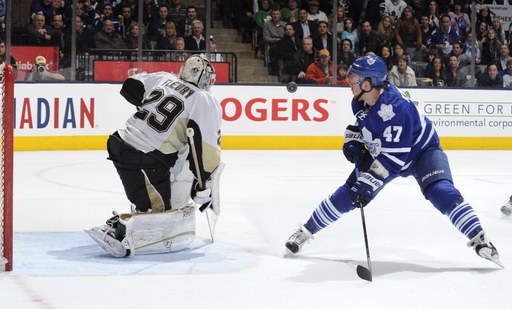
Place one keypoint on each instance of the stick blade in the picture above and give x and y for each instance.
(364, 273)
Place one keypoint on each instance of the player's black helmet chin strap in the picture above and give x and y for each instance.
(363, 91)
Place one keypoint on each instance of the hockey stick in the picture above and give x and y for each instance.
(190, 135)
(363, 272)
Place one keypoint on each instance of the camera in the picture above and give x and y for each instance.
(40, 68)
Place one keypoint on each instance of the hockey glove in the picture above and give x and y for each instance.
(365, 189)
(202, 197)
(354, 149)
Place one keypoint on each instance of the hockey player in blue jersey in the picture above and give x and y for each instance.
(392, 139)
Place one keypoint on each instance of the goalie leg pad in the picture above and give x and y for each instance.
(168, 231)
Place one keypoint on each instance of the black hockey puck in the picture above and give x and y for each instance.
(291, 87)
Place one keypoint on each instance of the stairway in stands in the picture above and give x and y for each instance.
(250, 68)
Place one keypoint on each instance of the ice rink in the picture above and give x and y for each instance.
(419, 259)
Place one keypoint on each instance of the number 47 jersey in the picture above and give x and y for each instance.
(167, 106)
(394, 131)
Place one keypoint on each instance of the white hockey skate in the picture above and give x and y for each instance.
(105, 236)
(485, 249)
(298, 239)
(507, 208)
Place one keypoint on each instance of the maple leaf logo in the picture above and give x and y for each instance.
(386, 112)
(371, 61)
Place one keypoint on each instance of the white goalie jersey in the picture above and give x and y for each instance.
(169, 106)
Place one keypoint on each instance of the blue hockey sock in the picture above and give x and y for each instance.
(465, 219)
(330, 209)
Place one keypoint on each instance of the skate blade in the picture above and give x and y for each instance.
(498, 262)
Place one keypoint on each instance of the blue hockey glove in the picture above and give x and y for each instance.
(354, 149)
(365, 189)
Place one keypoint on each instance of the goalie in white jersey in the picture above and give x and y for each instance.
(146, 155)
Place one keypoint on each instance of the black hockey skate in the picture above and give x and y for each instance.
(109, 236)
(298, 239)
(507, 208)
(485, 249)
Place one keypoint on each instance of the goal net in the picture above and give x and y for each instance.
(6, 156)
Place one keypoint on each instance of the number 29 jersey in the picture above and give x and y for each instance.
(170, 106)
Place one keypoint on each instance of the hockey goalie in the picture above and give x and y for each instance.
(168, 160)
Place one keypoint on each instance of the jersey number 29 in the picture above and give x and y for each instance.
(169, 108)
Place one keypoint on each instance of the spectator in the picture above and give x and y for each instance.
(457, 51)
(341, 77)
(40, 71)
(454, 77)
(315, 14)
(290, 13)
(39, 34)
(303, 58)
(433, 14)
(394, 8)
(287, 47)
(386, 30)
(168, 41)
(263, 14)
(59, 28)
(351, 33)
(43, 7)
(177, 12)
(324, 39)
(506, 74)
(368, 10)
(12, 61)
(385, 54)
(346, 55)
(426, 30)
(185, 29)
(83, 38)
(107, 38)
(107, 14)
(215, 56)
(435, 76)
(321, 71)
(408, 32)
(244, 19)
(304, 27)
(58, 8)
(156, 26)
(369, 40)
(179, 54)
(419, 7)
(401, 74)
(87, 18)
(504, 57)
(481, 31)
(443, 37)
(196, 41)
(132, 38)
(460, 20)
(398, 51)
(484, 16)
(498, 28)
(490, 47)
(490, 77)
(273, 31)
(149, 11)
(125, 18)
(429, 59)
(340, 22)
(468, 47)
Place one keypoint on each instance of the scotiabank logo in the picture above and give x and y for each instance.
(262, 109)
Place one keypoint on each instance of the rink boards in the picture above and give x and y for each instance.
(77, 116)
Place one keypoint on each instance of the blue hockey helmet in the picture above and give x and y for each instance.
(371, 67)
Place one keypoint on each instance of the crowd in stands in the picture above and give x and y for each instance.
(423, 42)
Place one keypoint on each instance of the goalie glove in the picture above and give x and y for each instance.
(203, 197)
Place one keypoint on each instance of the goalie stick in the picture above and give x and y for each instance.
(211, 217)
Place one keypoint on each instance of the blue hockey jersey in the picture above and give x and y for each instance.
(394, 131)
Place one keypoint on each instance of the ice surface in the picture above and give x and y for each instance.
(419, 259)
